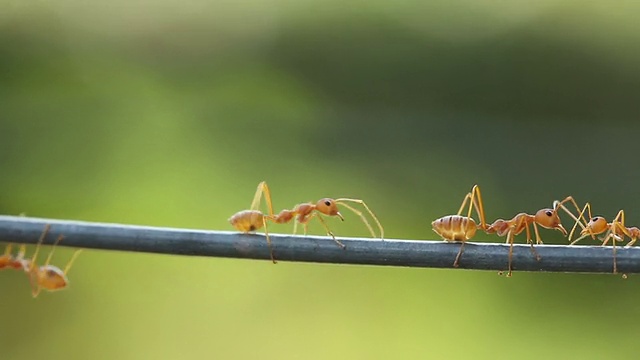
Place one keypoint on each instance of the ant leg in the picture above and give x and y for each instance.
(479, 206)
(6, 259)
(19, 259)
(7, 250)
(618, 224)
(559, 204)
(578, 239)
(72, 260)
(510, 241)
(262, 188)
(633, 241)
(329, 232)
(266, 234)
(611, 235)
(32, 270)
(456, 261)
(52, 249)
(587, 206)
(464, 203)
(305, 224)
(375, 218)
(538, 240)
(615, 260)
(267, 198)
(40, 240)
(475, 199)
(364, 220)
(35, 289)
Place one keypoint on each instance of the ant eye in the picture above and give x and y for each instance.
(594, 219)
(328, 203)
(51, 273)
(549, 213)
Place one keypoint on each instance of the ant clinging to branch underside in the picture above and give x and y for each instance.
(47, 277)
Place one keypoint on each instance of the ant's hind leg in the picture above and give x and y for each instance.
(262, 189)
(510, 240)
(266, 234)
(457, 260)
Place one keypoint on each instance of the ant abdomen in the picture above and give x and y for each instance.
(247, 220)
(455, 227)
(51, 278)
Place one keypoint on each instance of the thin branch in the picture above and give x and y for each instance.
(411, 253)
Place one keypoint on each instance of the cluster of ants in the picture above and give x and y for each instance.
(47, 277)
(458, 228)
(453, 228)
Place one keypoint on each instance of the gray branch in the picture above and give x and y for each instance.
(390, 252)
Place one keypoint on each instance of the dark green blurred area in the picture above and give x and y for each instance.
(169, 113)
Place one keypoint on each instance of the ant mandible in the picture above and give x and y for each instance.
(462, 228)
(251, 220)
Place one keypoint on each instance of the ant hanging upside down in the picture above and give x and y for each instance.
(47, 277)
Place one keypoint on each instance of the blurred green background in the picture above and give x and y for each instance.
(170, 112)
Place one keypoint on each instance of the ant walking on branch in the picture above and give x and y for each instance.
(546, 218)
(462, 228)
(615, 231)
(253, 219)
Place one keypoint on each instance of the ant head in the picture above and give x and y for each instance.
(596, 225)
(548, 218)
(52, 278)
(329, 207)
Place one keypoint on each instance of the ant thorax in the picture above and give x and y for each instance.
(304, 210)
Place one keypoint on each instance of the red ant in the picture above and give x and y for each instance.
(251, 220)
(462, 228)
(546, 218)
(616, 231)
(47, 276)
(7, 260)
